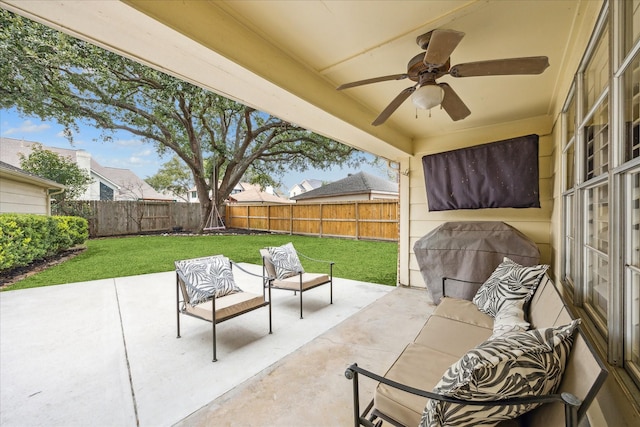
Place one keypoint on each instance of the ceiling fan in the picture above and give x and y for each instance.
(434, 63)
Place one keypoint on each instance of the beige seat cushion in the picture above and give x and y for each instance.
(227, 306)
(268, 263)
(420, 367)
(451, 336)
(309, 280)
(463, 311)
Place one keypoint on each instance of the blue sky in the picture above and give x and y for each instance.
(128, 151)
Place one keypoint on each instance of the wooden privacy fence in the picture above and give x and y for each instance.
(109, 218)
(371, 220)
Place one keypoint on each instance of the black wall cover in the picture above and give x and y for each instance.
(495, 175)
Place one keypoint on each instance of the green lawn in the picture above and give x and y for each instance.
(126, 256)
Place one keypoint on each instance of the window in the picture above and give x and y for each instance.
(632, 275)
(596, 140)
(569, 144)
(596, 74)
(632, 110)
(631, 24)
(601, 187)
(569, 171)
(106, 192)
(569, 241)
(596, 254)
(594, 290)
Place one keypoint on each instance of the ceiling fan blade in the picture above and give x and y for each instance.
(373, 80)
(501, 67)
(452, 104)
(393, 106)
(441, 45)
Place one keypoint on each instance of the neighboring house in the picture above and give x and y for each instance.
(22, 192)
(359, 186)
(255, 196)
(108, 183)
(304, 186)
(192, 195)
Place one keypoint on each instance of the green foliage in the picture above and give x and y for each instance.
(173, 177)
(25, 238)
(54, 76)
(367, 261)
(47, 164)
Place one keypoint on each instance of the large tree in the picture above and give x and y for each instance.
(173, 177)
(54, 76)
(47, 164)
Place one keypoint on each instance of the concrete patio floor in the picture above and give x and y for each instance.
(105, 353)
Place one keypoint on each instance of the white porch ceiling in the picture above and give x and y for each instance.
(287, 57)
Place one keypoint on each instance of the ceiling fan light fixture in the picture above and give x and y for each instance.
(428, 96)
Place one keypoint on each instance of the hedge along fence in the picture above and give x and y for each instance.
(25, 238)
(116, 218)
(366, 220)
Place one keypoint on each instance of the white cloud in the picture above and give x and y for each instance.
(137, 161)
(144, 153)
(128, 142)
(27, 127)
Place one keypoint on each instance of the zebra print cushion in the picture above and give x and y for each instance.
(510, 281)
(509, 319)
(518, 364)
(285, 260)
(206, 278)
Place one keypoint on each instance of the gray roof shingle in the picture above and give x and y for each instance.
(359, 183)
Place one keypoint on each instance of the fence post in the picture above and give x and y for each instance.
(357, 218)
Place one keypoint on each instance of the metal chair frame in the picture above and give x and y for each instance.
(368, 417)
(181, 306)
(268, 281)
(574, 408)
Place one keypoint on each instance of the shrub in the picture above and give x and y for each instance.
(25, 238)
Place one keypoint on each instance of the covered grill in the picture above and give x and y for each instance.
(469, 251)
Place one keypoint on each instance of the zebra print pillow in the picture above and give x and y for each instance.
(285, 260)
(510, 281)
(206, 278)
(509, 319)
(519, 364)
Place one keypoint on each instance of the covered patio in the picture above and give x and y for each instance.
(105, 353)
(287, 58)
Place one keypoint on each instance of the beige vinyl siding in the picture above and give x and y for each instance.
(20, 197)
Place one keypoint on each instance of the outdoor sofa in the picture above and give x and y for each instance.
(442, 357)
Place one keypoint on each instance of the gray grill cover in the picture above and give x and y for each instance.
(469, 251)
